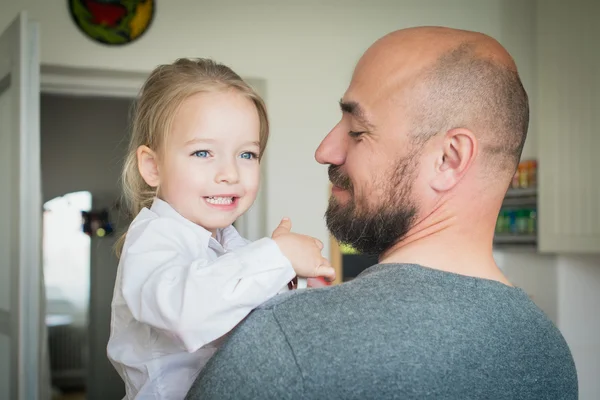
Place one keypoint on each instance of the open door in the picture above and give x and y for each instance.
(20, 212)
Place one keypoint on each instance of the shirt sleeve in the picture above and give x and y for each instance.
(256, 362)
(169, 283)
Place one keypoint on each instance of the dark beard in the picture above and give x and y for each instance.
(374, 229)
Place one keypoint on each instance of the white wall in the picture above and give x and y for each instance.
(579, 317)
(304, 50)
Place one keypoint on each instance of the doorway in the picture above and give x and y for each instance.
(83, 143)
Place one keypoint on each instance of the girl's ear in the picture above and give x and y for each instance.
(148, 166)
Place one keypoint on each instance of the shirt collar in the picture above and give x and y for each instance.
(227, 238)
(230, 238)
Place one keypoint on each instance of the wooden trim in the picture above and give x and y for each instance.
(335, 257)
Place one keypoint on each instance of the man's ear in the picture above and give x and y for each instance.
(148, 166)
(459, 148)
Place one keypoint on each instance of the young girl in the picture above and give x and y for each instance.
(186, 277)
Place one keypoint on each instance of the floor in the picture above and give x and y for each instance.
(69, 396)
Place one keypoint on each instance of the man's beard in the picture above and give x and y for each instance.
(373, 229)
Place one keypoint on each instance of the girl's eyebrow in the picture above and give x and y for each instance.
(199, 140)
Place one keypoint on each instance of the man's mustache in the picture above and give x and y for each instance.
(338, 178)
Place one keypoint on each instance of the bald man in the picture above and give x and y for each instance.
(432, 129)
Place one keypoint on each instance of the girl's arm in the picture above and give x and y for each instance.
(169, 283)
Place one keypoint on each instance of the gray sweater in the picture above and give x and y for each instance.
(394, 332)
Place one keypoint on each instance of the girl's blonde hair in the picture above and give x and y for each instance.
(160, 97)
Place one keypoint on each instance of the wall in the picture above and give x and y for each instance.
(579, 319)
(83, 142)
(82, 149)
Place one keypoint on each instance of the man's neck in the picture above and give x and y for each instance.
(452, 243)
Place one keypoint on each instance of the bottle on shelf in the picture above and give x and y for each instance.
(517, 221)
(526, 175)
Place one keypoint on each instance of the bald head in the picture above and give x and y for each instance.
(446, 78)
(421, 46)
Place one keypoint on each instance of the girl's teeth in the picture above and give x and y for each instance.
(220, 200)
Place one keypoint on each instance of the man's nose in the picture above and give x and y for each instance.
(332, 149)
(227, 172)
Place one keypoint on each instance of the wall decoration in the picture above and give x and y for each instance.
(112, 22)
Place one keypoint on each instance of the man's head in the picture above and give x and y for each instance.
(431, 114)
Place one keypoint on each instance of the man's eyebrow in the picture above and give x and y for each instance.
(354, 109)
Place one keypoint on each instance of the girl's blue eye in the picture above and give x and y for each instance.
(200, 153)
(249, 155)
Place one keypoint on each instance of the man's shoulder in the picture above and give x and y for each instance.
(297, 298)
(318, 305)
(282, 299)
(295, 307)
(292, 313)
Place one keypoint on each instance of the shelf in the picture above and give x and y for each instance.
(507, 239)
(520, 198)
(519, 193)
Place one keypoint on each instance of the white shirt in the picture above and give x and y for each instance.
(178, 291)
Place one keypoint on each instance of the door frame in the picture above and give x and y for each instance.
(74, 81)
(22, 322)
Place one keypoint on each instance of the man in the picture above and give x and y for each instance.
(433, 126)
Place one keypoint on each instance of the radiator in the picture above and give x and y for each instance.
(67, 349)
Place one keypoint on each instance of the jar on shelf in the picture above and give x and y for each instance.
(512, 222)
(523, 175)
(532, 173)
(515, 181)
(521, 221)
(500, 222)
(532, 222)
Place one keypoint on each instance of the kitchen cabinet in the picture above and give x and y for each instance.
(568, 121)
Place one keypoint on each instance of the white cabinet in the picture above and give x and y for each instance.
(568, 125)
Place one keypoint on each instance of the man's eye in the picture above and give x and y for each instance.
(201, 153)
(354, 134)
(248, 155)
